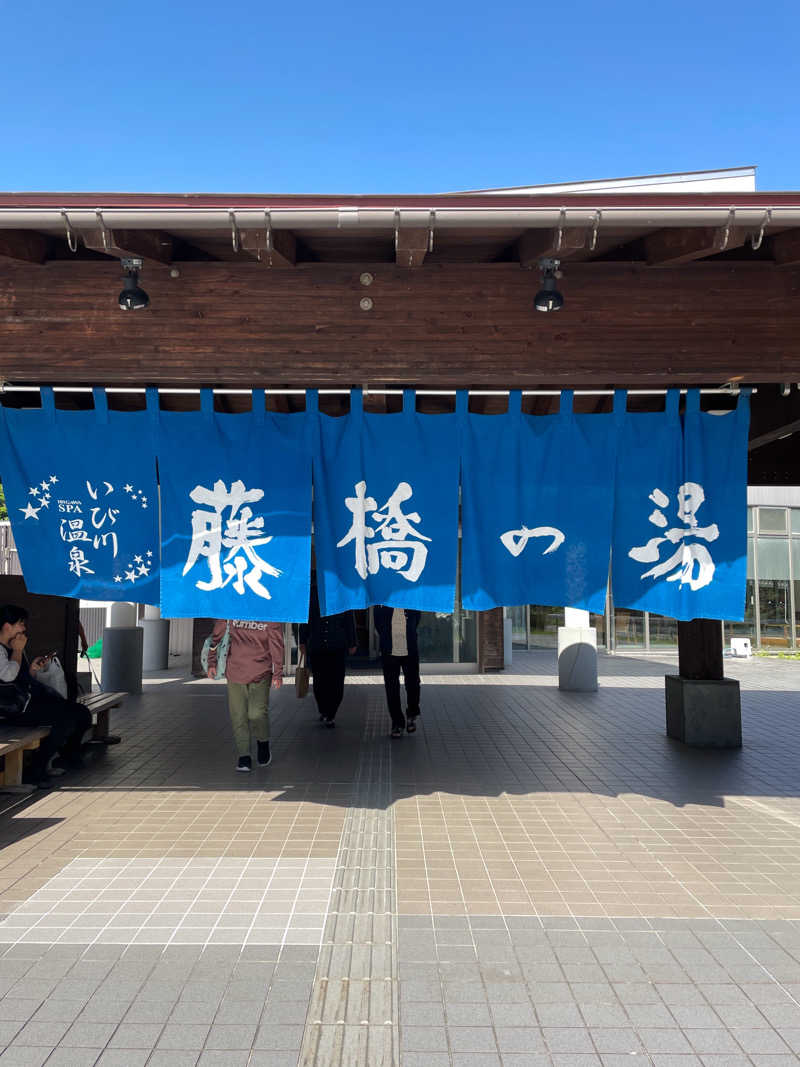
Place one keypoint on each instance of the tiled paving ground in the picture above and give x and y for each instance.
(534, 879)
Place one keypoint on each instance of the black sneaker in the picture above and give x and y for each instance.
(264, 754)
(245, 764)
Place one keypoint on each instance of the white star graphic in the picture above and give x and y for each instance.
(149, 553)
(144, 570)
(45, 502)
(144, 507)
(34, 491)
(138, 559)
(130, 575)
(53, 479)
(117, 577)
(45, 485)
(30, 512)
(144, 499)
(128, 488)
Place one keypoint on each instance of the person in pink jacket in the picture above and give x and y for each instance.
(254, 665)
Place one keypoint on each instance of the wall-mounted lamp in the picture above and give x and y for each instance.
(132, 298)
(548, 298)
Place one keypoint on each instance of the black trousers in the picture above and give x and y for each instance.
(68, 721)
(328, 668)
(392, 665)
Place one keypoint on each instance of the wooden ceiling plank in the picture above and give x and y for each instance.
(411, 246)
(539, 244)
(26, 245)
(671, 247)
(786, 248)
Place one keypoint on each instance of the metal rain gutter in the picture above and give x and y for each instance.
(435, 214)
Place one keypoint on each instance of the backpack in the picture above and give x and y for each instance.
(221, 649)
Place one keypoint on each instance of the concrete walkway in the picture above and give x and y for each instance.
(534, 879)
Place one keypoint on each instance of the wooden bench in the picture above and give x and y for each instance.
(100, 705)
(14, 740)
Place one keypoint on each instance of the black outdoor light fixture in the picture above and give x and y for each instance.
(132, 298)
(548, 298)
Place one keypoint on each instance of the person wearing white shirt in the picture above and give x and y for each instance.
(397, 630)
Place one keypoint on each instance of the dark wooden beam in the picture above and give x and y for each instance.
(411, 247)
(786, 248)
(440, 327)
(539, 244)
(283, 252)
(774, 435)
(153, 246)
(26, 245)
(669, 248)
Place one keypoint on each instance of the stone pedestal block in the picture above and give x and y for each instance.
(122, 659)
(706, 713)
(577, 659)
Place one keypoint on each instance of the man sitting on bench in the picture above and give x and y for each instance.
(68, 720)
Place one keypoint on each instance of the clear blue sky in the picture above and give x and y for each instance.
(378, 97)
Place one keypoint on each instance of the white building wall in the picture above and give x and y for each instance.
(731, 180)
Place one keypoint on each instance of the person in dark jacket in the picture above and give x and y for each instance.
(397, 630)
(68, 721)
(326, 641)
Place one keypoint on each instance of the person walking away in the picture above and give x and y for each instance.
(68, 720)
(254, 666)
(397, 630)
(326, 641)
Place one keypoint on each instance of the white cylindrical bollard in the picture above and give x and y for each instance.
(122, 614)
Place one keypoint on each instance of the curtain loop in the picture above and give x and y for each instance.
(100, 404)
(48, 400)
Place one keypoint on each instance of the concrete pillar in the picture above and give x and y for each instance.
(490, 640)
(155, 649)
(508, 641)
(122, 651)
(703, 707)
(577, 653)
